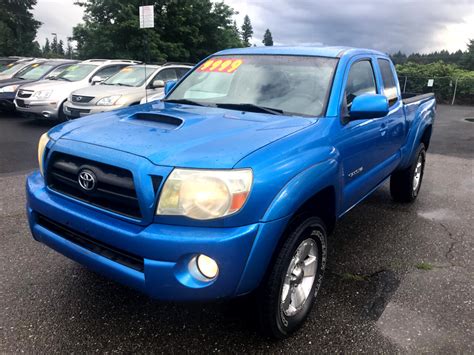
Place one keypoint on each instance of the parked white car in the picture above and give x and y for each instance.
(126, 88)
(46, 98)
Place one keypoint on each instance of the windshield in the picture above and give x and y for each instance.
(130, 76)
(13, 68)
(285, 84)
(33, 71)
(55, 72)
(76, 72)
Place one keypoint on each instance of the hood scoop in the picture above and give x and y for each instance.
(156, 120)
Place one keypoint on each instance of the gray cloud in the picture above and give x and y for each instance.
(387, 25)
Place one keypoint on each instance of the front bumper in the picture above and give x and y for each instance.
(6, 101)
(44, 109)
(76, 111)
(165, 249)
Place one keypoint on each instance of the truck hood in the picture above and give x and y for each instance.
(52, 85)
(182, 135)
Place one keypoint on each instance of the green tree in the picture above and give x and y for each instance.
(467, 59)
(17, 27)
(247, 31)
(185, 30)
(46, 50)
(55, 47)
(267, 38)
(60, 48)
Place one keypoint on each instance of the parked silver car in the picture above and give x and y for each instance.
(46, 98)
(126, 88)
(11, 69)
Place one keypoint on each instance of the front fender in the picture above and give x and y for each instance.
(293, 195)
(302, 187)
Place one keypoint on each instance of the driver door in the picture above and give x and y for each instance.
(359, 142)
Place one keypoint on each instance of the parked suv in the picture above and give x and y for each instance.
(31, 73)
(125, 88)
(45, 98)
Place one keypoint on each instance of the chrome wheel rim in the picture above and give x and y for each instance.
(417, 175)
(299, 278)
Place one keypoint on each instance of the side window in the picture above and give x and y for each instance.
(166, 74)
(107, 72)
(361, 80)
(389, 83)
(181, 72)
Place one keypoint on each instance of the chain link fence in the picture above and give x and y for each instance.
(448, 90)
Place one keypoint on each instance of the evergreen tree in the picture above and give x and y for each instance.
(60, 49)
(267, 38)
(46, 49)
(17, 27)
(247, 31)
(54, 47)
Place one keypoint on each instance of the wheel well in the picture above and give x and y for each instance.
(323, 205)
(426, 137)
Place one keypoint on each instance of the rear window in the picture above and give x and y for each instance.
(389, 83)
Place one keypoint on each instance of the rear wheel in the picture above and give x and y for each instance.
(405, 184)
(287, 296)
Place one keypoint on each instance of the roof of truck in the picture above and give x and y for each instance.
(319, 51)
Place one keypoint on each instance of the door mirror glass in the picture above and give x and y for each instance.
(157, 84)
(96, 80)
(368, 106)
(169, 86)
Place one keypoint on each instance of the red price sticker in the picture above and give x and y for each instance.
(224, 65)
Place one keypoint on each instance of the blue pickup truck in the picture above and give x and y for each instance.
(232, 183)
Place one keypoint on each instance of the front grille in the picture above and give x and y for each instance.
(112, 188)
(89, 243)
(24, 94)
(81, 99)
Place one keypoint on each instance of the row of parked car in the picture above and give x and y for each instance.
(61, 89)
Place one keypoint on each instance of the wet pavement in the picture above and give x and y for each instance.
(399, 278)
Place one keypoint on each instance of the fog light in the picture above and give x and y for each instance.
(207, 266)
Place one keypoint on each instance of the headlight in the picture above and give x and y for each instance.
(43, 141)
(10, 88)
(205, 194)
(108, 101)
(41, 95)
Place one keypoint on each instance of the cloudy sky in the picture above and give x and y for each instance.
(387, 25)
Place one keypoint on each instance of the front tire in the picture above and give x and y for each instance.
(287, 295)
(405, 184)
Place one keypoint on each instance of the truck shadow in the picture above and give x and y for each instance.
(363, 272)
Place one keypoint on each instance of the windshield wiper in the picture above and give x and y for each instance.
(184, 101)
(252, 107)
(120, 84)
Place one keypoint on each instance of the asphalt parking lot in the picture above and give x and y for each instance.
(399, 278)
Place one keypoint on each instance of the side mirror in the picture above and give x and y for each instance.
(157, 84)
(169, 86)
(96, 80)
(368, 106)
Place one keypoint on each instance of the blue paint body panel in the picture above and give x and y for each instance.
(292, 159)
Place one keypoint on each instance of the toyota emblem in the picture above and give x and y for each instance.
(87, 180)
(78, 98)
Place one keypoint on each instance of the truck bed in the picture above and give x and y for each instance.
(409, 97)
